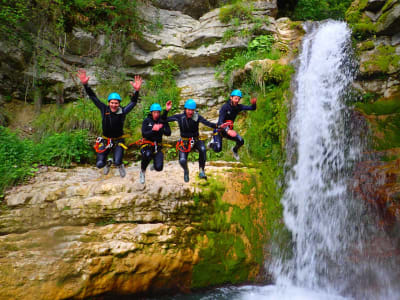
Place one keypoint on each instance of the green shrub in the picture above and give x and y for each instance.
(258, 48)
(240, 10)
(16, 159)
(63, 149)
(19, 158)
(320, 9)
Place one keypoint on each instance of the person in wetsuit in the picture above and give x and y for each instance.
(113, 117)
(153, 128)
(227, 116)
(188, 123)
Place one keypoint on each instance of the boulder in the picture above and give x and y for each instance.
(82, 43)
(389, 22)
(201, 85)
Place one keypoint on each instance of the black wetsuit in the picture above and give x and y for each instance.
(229, 112)
(113, 126)
(150, 152)
(189, 128)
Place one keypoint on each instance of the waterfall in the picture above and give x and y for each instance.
(338, 249)
(329, 226)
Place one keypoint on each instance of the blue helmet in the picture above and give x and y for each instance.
(155, 107)
(114, 96)
(236, 93)
(190, 104)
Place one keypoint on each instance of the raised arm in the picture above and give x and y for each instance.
(84, 79)
(136, 86)
(253, 105)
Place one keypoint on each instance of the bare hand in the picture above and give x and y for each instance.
(82, 76)
(253, 101)
(232, 133)
(168, 105)
(157, 127)
(137, 84)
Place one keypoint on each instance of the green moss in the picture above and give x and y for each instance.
(382, 107)
(223, 261)
(367, 45)
(385, 58)
(361, 25)
(239, 10)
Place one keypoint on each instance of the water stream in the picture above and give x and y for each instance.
(331, 232)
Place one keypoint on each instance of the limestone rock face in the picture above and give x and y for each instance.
(189, 42)
(77, 233)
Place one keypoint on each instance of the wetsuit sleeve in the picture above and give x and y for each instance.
(146, 129)
(93, 97)
(247, 107)
(207, 123)
(166, 128)
(222, 115)
(173, 118)
(131, 104)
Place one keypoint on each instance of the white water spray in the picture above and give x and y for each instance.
(329, 229)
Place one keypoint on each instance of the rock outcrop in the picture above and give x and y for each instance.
(77, 234)
(375, 25)
(195, 45)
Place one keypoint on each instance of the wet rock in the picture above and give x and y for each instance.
(389, 21)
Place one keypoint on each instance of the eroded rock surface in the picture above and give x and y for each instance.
(77, 233)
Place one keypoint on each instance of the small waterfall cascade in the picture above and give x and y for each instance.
(329, 227)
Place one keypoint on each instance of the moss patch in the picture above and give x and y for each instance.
(384, 60)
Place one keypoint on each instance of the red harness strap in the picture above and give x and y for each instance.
(99, 142)
(228, 123)
(143, 141)
(180, 145)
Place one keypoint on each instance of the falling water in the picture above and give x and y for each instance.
(329, 226)
(331, 229)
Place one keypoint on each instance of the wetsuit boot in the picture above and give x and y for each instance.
(121, 170)
(186, 175)
(142, 176)
(107, 167)
(202, 174)
(235, 154)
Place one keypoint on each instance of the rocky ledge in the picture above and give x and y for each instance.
(77, 233)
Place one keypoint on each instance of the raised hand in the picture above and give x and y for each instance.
(253, 101)
(137, 84)
(232, 133)
(168, 105)
(82, 76)
(157, 127)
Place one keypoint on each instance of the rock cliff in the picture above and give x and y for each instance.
(77, 233)
(376, 32)
(195, 45)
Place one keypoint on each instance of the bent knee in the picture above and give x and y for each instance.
(100, 164)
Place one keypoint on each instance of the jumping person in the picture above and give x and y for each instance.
(189, 129)
(113, 117)
(153, 128)
(227, 116)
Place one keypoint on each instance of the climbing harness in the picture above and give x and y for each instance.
(144, 143)
(227, 124)
(180, 145)
(100, 142)
(108, 143)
